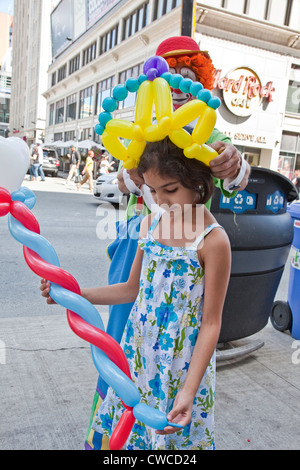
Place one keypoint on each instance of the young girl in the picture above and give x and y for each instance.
(174, 325)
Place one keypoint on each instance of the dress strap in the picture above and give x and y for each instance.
(203, 235)
(155, 221)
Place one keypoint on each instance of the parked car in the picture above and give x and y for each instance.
(106, 188)
(51, 162)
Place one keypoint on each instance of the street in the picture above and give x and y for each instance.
(71, 222)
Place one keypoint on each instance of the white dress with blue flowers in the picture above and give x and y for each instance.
(158, 341)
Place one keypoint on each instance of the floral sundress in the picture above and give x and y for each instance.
(158, 341)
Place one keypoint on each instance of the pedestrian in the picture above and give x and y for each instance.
(37, 158)
(105, 165)
(173, 328)
(88, 172)
(40, 160)
(33, 165)
(296, 181)
(74, 164)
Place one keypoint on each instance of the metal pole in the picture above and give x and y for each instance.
(188, 13)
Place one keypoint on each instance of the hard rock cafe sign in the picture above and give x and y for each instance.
(242, 90)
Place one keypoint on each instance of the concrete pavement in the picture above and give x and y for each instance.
(48, 381)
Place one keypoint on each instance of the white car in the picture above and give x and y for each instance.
(106, 188)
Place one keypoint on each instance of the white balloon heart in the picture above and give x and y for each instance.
(14, 162)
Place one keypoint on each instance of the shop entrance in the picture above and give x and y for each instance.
(251, 155)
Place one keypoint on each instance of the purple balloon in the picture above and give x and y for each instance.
(158, 63)
(152, 74)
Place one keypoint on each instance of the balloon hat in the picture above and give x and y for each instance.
(153, 87)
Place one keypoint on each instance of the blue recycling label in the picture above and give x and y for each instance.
(275, 201)
(242, 202)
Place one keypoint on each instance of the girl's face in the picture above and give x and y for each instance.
(167, 191)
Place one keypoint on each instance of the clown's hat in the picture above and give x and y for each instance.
(178, 45)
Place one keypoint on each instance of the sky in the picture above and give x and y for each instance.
(7, 6)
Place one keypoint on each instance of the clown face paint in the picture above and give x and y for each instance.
(178, 97)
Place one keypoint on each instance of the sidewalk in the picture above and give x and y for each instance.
(57, 184)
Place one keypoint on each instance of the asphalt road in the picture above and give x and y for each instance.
(78, 228)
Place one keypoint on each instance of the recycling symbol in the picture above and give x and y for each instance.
(239, 199)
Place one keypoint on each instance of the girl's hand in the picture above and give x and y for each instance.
(45, 288)
(181, 412)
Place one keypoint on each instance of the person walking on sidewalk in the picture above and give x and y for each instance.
(40, 160)
(88, 172)
(75, 162)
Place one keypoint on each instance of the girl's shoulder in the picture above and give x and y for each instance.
(216, 241)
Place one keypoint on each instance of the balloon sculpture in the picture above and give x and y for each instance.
(153, 86)
(83, 317)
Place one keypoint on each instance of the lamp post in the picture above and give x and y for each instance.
(188, 13)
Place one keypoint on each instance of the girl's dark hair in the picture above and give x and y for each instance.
(169, 160)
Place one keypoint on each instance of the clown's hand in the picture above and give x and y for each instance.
(229, 165)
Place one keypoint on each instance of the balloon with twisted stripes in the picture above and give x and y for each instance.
(83, 318)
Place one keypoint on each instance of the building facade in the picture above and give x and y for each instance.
(6, 26)
(254, 45)
(30, 61)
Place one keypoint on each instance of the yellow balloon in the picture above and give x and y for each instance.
(162, 98)
(114, 146)
(138, 133)
(130, 163)
(135, 149)
(154, 133)
(203, 153)
(181, 138)
(187, 113)
(144, 105)
(120, 128)
(204, 126)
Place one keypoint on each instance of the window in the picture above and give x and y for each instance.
(53, 79)
(60, 111)
(161, 7)
(74, 64)
(4, 110)
(289, 158)
(89, 54)
(69, 135)
(136, 21)
(62, 73)
(293, 96)
(51, 114)
(71, 108)
(103, 90)
(85, 103)
(123, 76)
(58, 136)
(109, 40)
(257, 9)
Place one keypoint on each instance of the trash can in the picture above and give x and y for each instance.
(260, 232)
(286, 315)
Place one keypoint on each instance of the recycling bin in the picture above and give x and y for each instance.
(294, 280)
(260, 232)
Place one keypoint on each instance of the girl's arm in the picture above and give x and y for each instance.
(216, 257)
(121, 293)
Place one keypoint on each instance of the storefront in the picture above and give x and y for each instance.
(253, 86)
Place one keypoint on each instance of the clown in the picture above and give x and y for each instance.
(183, 56)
